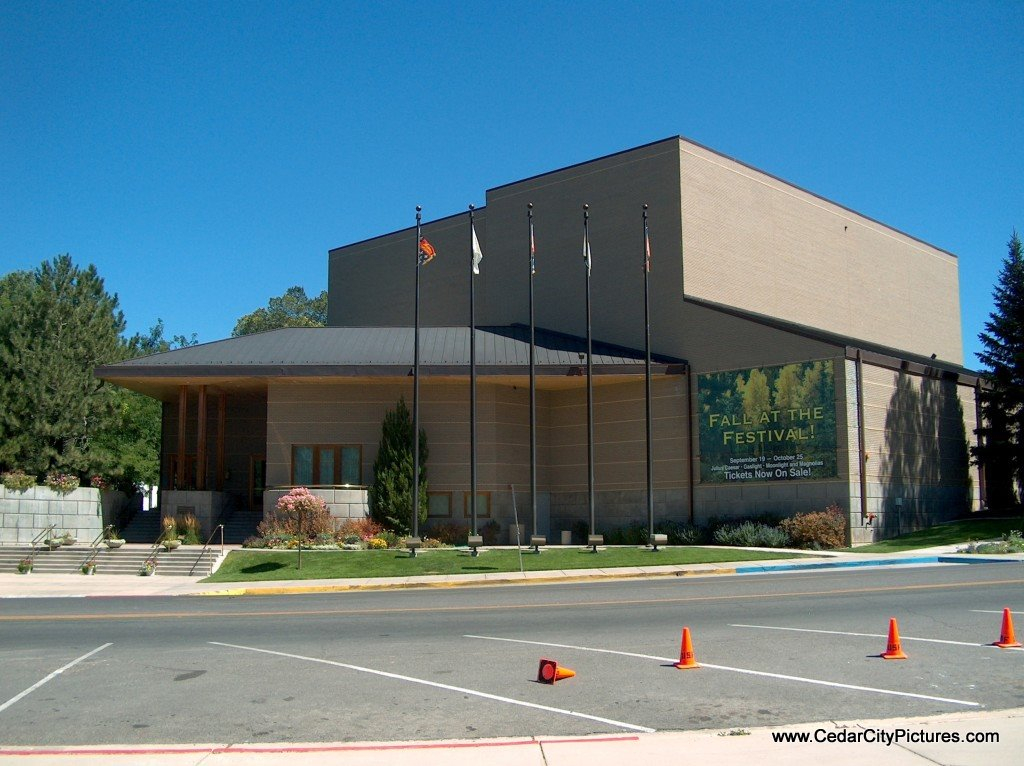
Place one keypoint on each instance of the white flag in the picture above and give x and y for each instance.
(478, 254)
(586, 250)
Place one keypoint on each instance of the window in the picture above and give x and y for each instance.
(483, 505)
(326, 464)
(439, 505)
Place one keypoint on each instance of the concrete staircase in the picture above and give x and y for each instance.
(126, 560)
(240, 526)
(143, 528)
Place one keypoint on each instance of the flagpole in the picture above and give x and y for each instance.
(533, 382)
(416, 394)
(647, 377)
(590, 379)
(472, 377)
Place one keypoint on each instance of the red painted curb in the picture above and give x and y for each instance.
(311, 749)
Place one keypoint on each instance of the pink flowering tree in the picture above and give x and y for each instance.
(301, 505)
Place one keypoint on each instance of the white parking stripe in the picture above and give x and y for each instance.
(50, 677)
(461, 690)
(738, 670)
(864, 635)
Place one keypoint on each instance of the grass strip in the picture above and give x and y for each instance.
(264, 565)
(963, 531)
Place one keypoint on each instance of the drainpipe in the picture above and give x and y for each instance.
(861, 449)
(689, 440)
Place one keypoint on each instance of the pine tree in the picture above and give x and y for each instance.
(391, 494)
(57, 324)
(1001, 436)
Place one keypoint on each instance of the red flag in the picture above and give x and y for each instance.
(427, 251)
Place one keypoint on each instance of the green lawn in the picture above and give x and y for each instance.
(964, 531)
(255, 565)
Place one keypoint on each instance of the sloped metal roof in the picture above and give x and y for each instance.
(384, 351)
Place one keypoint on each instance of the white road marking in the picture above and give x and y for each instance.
(447, 687)
(992, 611)
(50, 677)
(801, 679)
(865, 635)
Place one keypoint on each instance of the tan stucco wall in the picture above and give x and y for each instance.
(759, 244)
(918, 432)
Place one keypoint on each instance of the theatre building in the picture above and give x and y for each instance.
(804, 355)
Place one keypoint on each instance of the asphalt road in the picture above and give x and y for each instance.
(453, 663)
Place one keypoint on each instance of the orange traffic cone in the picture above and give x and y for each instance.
(549, 672)
(893, 649)
(1006, 638)
(686, 660)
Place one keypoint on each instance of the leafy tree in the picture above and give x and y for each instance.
(391, 494)
(1001, 436)
(293, 309)
(127, 450)
(57, 323)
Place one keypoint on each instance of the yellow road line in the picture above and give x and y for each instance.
(498, 607)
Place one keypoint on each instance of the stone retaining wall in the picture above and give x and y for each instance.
(26, 513)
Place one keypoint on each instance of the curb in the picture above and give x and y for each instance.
(299, 589)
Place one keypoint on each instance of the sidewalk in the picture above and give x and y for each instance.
(37, 585)
(736, 747)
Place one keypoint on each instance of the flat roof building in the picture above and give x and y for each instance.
(805, 356)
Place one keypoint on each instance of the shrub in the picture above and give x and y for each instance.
(61, 482)
(315, 516)
(17, 480)
(1012, 542)
(817, 530)
(98, 482)
(490, 531)
(635, 534)
(361, 529)
(254, 542)
(188, 527)
(377, 544)
(751, 534)
(432, 542)
(681, 534)
(450, 533)
(391, 539)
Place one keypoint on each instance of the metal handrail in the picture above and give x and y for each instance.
(218, 528)
(44, 535)
(94, 546)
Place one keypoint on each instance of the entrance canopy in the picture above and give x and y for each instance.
(248, 362)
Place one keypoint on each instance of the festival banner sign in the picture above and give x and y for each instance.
(768, 423)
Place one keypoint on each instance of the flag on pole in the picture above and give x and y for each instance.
(533, 252)
(478, 254)
(647, 247)
(586, 249)
(427, 251)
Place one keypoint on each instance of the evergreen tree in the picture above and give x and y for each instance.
(57, 324)
(391, 494)
(1001, 435)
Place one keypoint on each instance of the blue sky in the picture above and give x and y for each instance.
(205, 156)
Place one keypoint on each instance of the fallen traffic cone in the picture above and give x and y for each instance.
(893, 649)
(686, 660)
(549, 672)
(1006, 638)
